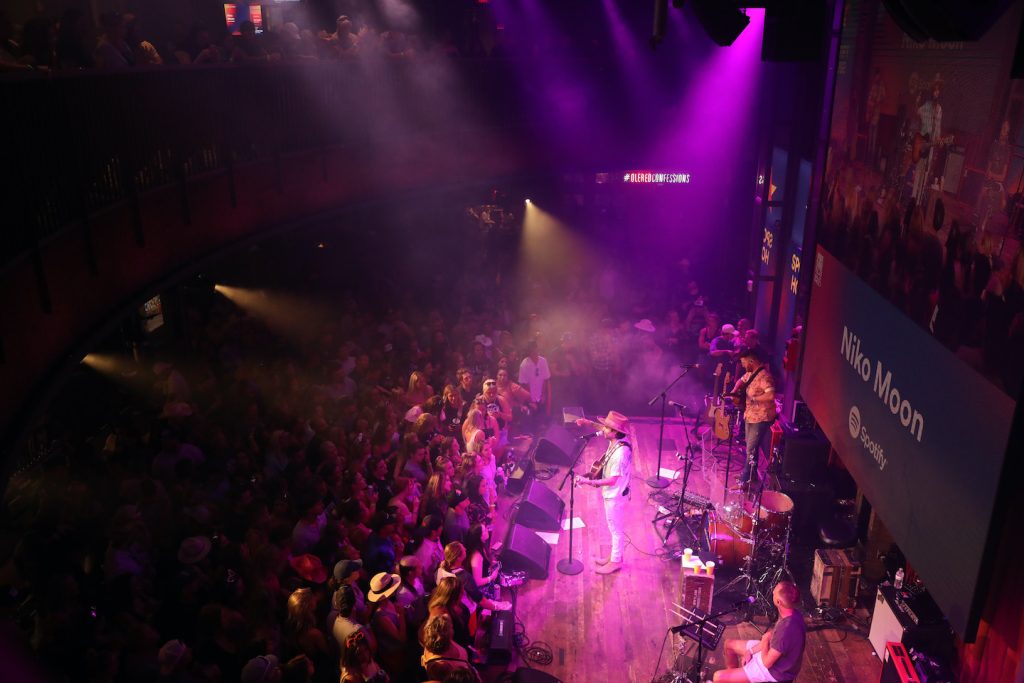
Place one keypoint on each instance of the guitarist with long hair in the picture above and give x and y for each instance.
(612, 474)
(754, 393)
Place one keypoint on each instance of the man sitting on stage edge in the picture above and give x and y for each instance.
(779, 653)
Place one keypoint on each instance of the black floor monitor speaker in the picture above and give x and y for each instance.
(525, 674)
(540, 508)
(525, 551)
(555, 447)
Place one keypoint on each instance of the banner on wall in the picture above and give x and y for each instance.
(923, 434)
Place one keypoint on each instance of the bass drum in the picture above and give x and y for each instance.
(731, 547)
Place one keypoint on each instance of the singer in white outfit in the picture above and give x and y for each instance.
(613, 479)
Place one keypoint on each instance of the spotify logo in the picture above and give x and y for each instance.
(855, 422)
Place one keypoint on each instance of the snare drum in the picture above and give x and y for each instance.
(776, 509)
(731, 547)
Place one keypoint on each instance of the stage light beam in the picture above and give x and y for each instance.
(548, 244)
(289, 315)
(117, 367)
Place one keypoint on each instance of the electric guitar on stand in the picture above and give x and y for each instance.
(717, 415)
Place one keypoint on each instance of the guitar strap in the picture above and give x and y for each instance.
(752, 377)
(611, 449)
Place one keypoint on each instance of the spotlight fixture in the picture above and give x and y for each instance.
(528, 201)
(722, 21)
(660, 21)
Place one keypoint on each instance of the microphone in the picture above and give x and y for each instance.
(589, 435)
(677, 405)
(689, 366)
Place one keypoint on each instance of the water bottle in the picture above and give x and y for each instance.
(898, 582)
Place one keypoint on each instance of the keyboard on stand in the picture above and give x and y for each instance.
(697, 500)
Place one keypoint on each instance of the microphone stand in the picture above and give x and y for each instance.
(694, 674)
(658, 481)
(747, 579)
(678, 516)
(570, 565)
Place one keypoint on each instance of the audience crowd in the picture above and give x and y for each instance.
(120, 41)
(964, 285)
(274, 510)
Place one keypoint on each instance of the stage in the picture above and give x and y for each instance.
(612, 628)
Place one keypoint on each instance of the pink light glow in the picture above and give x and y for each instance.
(718, 104)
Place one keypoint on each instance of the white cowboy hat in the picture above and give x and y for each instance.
(383, 585)
(645, 325)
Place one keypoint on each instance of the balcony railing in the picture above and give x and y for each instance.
(77, 143)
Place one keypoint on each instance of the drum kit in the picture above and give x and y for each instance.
(750, 532)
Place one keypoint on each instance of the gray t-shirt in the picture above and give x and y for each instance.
(342, 628)
(789, 637)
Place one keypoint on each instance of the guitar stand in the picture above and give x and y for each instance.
(679, 517)
(733, 421)
(679, 514)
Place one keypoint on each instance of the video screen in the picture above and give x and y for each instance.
(917, 295)
(152, 314)
(236, 13)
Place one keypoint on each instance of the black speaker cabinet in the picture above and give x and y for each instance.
(555, 447)
(804, 455)
(812, 503)
(525, 551)
(520, 476)
(540, 508)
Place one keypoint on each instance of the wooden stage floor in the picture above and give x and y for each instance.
(611, 628)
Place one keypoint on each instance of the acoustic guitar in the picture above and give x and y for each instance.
(921, 146)
(598, 465)
(721, 426)
(717, 414)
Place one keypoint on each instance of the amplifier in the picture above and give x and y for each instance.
(836, 578)
(898, 667)
(954, 169)
(913, 620)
